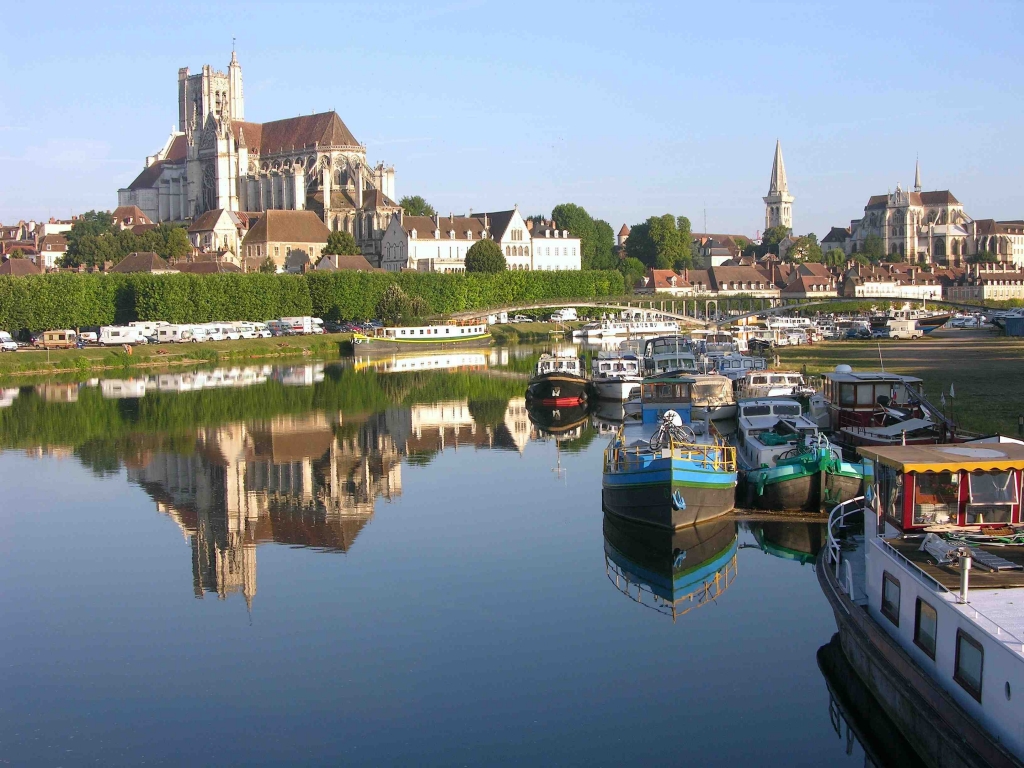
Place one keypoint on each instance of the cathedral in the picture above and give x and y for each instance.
(215, 160)
(778, 203)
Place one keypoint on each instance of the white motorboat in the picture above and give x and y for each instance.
(774, 384)
(615, 374)
(669, 354)
(712, 397)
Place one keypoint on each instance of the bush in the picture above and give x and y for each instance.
(485, 256)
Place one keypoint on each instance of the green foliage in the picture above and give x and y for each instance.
(861, 259)
(415, 205)
(659, 243)
(981, 257)
(835, 258)
(341, 244)
(579, 223)
(806, 248)
(604, 246)
(485, 256)
(873, 248)
(632, 270)
(16, 253)
(268, 267)
(94, 239)
(772, 237)
(393, 305)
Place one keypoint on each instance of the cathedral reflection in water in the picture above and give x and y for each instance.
(306, 481)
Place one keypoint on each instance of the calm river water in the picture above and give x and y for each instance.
(350, 565)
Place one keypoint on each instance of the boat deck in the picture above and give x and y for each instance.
(949, 575)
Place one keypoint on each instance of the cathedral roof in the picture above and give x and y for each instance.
(292, 133)
(938, 197)
(176, 153)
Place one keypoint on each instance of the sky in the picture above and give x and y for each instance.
(628, 109)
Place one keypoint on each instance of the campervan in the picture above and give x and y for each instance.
(148, 328)
(904, 329)
(7, 344)
(116, 335)
(167, 334)
(213, 331)
(300, 326)
(63, 339)
(564, 315)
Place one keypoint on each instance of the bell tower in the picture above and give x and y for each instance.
(778, 203)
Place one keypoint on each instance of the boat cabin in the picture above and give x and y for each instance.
(962, 484)
(615, 366)
(768, 428)
(667, 354)
(430, 332)
(736, 366)
(566, 364)
(773, 384)
(861, 398)
(659, 394)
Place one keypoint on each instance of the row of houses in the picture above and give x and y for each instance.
(896, 281)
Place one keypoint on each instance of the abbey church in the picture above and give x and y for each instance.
(215, 160)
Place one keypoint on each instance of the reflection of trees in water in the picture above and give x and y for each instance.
(488, 413)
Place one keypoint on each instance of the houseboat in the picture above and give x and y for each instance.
(879, 408)
(733, 365)
(664, 471)
(925, 576)
(761, 384)
(558, 380)
(713, 397)
(672, 572)
(669, 354)
(614, 328)
(422, 337)
(786, 463)
(615, 374)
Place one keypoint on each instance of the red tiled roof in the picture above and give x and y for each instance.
(295, 133)
(147, 261)
(19, 268)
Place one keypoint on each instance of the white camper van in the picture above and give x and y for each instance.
(564, 315)
(116, 335)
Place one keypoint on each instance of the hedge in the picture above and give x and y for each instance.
(43, 302)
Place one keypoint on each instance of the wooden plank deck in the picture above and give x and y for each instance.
(949, 576)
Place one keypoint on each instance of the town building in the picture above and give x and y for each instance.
(51, 249)
(778, 203)
(146, 261)
(890, 281)
(218, 160)
(984, 282)
(1003, 239)
(336, 262)
(129, 217)
(294, 240)
(439, 243)
(219, 231)
(19, 268)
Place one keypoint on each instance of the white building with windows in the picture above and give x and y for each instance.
(440, 243)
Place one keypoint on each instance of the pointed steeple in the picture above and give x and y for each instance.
(778, 185)
(917, 175)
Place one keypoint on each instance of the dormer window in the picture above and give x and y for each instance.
(413, 234)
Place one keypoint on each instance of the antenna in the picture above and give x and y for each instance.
(880, 358)
(705, 217)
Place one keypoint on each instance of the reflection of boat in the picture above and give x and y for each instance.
(422, 337)
(663, 470)
(435, 362)
(851, 703)
(558, 380)
(790, 541)
(939, 646)
(670, 571)
(564, 420)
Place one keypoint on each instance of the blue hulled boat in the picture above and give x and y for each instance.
(663, 470)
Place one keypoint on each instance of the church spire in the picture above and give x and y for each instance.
(917, 175)
(779, 185)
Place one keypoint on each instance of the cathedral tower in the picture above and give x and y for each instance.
(778, 203)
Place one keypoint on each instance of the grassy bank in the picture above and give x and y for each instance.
(34, 363)
(986, 370)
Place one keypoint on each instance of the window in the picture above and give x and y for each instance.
(936, 497)
(926, 623)
(991, 496)
(890, 598)
(970, 661)
(846, 394)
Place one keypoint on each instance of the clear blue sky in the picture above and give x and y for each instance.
(627, 109)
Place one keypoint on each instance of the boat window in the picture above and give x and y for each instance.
(926, 623)
(421, 331)
(778, 379)
(970, 662)
(759, 380)
(865, 394)
(757, 410)
(936, 497)
(891, 598)
(787, 410)
(990, 497)
(846, 394)
(403, 333)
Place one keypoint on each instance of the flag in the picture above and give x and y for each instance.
(951, 392)
(942, 399)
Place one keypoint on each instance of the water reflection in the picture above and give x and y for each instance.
(672, 572)
(800, 542)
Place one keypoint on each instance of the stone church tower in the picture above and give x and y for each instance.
(778, 203)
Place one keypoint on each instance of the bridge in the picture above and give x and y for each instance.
(669, 309)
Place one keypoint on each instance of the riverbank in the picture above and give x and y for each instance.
(984, 368)
(40, 362)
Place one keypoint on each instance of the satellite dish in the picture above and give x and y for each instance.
(843, 368)
(673, 418)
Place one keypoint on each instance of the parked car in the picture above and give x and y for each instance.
(521, 319)
(7, 343)
(880, 333)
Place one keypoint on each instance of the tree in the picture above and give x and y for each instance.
(485, 256)
(604, 246)
(805, 248)
(632, 270)
(394, 304)
(579, 223)
(686, 244)
(413, 205)
(657, 243)
(172, 242)
(341, 244)
(982, 257)
(835, 258)
(772, 237)
(860, 258)
(16, 253)
(268, 267)
(873, 248)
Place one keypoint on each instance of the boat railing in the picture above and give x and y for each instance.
(716, 456)
(708, 590)
(837, 521)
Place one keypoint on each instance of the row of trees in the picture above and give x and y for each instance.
(94, 239)
(72, 300)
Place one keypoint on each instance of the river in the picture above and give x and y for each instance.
(345, 564)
